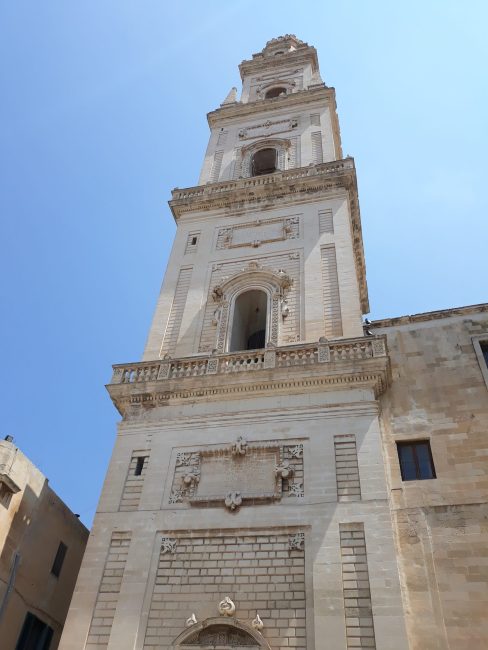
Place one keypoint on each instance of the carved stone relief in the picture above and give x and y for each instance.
(256, 233)
(270, 127)
(239, 473)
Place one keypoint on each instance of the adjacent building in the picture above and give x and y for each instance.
(284, 477)
(41, 548)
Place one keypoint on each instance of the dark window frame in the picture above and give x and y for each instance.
(276, 91)
(260, 165)
(139, 468)
(35, 634)
(414, 444)
(59, 559)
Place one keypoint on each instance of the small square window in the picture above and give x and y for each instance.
(415, 460)
(192, 242)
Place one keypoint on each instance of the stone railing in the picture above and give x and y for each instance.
(323, 352)
(213, 189)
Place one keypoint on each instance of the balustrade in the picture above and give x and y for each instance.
(339, 351)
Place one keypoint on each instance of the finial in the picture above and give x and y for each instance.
(231, 97)
(257, 623)
(226, 607)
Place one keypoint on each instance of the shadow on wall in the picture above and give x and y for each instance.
(33, 599)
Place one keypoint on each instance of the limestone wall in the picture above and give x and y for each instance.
(439, 393)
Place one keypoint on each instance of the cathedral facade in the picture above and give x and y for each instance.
(283, 476)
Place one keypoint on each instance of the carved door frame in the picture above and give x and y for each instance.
(186, 640)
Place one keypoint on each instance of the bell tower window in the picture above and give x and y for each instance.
(275, 92)
(264, 161)
(249, 322)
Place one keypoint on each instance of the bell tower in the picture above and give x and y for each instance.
(246, 501)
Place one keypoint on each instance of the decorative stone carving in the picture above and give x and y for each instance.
(239, 448)
(184, 458)
(191, 621)
(219, 636)
(296, 542)
(226, 607)
(296, 489)
(268, 231)
(176, 496)
(285, 309)
(168, 545)
(270, 127)
(379, 349)
(284, 470)
(233, 500)
(257, 623)
(323, 353)
(164, 368)
(296, 451)
(192, 477)
(212, 366)
(231, 475)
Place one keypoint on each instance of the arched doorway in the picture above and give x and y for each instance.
(249, 321)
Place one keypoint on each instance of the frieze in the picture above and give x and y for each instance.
(270, 127)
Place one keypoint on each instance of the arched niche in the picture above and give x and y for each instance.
(275, 284)
(248, 324)
(222, 634)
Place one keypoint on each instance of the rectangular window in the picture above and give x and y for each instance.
(35, 634)
(480, 344)
(59, 559)
(139, 465)
(192, 242)
(415, 460)
(484, 351)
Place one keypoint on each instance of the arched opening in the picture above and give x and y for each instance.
(249, 321)
(275, 92)
(264, 161)
(216, 633)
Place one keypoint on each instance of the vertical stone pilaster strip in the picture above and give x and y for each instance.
(131, 494)
(347, 470)
(356, 588)
(108, 592)
(176, 313)
(331, 295)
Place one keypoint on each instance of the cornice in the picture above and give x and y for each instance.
(288, 187)
(326, 365)
(430, 316)
(240, 110)
(302, 55)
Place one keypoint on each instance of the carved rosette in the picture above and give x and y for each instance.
(296, 542)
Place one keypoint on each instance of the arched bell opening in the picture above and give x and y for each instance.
(264, 161)
(275, 92)
(249, 321)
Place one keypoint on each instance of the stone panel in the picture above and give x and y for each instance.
(356, 589)
(261, 572)
(108, 593)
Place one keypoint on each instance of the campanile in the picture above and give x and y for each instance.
(245, 504)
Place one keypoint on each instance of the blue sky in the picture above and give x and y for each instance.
(103, 113)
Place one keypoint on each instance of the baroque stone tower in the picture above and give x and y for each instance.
(246, 500)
